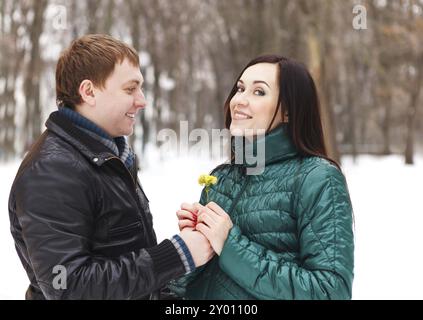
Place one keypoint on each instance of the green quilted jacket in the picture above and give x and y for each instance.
(292, 236)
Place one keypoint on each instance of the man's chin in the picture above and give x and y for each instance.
(128, 133)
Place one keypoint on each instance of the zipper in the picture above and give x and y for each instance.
(124, 229)
(127, 170)
(244, 186)
(134, 180)
(214, 266)
(140, 208)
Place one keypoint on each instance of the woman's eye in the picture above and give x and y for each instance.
(259, 92)
(240, 89)
(131, 90)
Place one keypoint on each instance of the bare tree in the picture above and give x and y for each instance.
(369, 81)
(318, 19)
(12, 54)
(33, 73)
(108, 19)
(93, 7)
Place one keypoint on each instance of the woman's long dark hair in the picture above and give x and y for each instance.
(297, 99)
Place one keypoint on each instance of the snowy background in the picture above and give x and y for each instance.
(388, 220)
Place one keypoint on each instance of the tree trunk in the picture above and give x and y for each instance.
(412, 111)
(318, 69)
(386, 128)
(92, 8)
(137, 12)
(319, 51)
(33, 75)
(108, 21)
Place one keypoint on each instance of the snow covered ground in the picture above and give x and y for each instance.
(387, 207)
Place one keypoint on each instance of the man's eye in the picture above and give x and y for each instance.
(131, 89)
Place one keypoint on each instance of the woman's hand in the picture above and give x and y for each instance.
(187, 216)
(214, 223)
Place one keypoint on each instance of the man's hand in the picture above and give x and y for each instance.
(198, 245)
(214, 223)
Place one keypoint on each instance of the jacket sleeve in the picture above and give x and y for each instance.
(324, 269)
(55, 205)
(178, 286)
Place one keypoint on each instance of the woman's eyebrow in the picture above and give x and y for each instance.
(261, 81)
(255, 82)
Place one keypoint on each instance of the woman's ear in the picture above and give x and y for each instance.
(283, 114)
(285, 117)
(86, 90)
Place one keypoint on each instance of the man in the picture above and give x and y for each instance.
(79, 217)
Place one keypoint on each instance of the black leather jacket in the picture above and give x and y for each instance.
(75, 204)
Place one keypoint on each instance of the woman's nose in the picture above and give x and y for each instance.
(240, 99)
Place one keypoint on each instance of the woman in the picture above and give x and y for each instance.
(287, 232)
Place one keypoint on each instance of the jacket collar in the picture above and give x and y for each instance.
(277, 146)
(95, 151)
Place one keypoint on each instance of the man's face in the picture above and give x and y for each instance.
(117, 104)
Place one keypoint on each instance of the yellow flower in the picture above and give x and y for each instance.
(207, 181)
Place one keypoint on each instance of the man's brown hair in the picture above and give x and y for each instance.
(92, 57)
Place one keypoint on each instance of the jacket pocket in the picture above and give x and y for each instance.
(125, 229)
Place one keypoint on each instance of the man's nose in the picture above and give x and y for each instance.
(140, 101)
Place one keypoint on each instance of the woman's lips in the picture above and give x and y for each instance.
(238, 115)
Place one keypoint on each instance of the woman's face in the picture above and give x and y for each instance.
(255, 102)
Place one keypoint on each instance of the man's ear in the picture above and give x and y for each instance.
(86, 90)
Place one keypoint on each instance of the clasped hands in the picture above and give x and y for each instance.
(210, 220)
